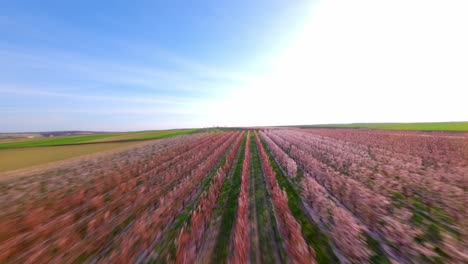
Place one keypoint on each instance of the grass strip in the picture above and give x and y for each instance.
(228, 198)
(266, 223)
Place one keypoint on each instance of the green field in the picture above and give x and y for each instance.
(436, 126)
(96, 138)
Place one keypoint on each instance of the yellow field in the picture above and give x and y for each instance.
(12, 159)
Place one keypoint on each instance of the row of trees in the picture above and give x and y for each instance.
(384, 172)
(387, 187)
(120, 177)
(84, 205)
(63, 180)
(89, 226)
(192, 233)
(373, 209)
(437, 149)
(241, 239)
(296, 247)
(288, 164)
(151, 224)
(346, 232)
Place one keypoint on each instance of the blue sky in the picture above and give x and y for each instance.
(97, 65)
(127, 65)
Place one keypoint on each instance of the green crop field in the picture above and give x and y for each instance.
(435, 126)
(111, 137)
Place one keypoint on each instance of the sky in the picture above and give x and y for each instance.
(140, 65)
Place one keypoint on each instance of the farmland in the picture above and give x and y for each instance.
(42, 150)
(93, 138)
(264, 195)
(32, 156)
